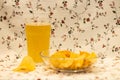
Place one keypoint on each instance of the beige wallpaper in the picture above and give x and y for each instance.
(91, 25)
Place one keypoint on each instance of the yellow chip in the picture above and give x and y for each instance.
(86, 64)
(92, 57)
(54, 59)
(65, 63)
(26, 65)
(79, 62)
(84, 53)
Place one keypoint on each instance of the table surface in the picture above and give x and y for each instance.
(105, 69)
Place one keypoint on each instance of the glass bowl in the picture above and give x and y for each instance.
(67, 61)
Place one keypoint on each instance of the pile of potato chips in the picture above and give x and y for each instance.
(69, 60)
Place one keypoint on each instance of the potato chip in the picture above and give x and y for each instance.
(86, 64)
(79, 62)
(65, 63)
(92, 57)
(84, 53)
(89, 59)
(26, 65)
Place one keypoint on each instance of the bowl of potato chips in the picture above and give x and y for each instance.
(65, 60)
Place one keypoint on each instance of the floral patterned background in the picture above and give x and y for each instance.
(91, 25)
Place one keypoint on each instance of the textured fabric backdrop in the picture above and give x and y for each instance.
(91, 25)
